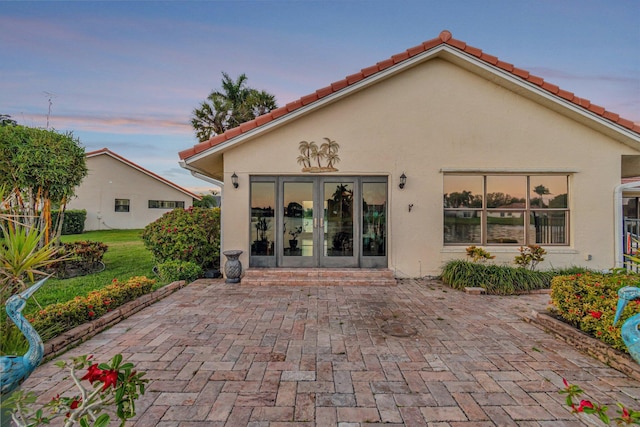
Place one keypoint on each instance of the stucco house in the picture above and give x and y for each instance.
(404, 164)
(119, 194)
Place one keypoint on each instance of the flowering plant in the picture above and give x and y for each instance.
(114, 383)
(625, 415)
(295, 232)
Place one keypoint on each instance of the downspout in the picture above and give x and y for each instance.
(619, 221)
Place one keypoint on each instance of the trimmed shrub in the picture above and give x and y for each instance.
(73, 222)
(82, 257)
(80, 310)
(174, 270)
(187, 235)
(495, 279)
(588, 302)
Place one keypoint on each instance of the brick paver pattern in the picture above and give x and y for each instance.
(417, 354)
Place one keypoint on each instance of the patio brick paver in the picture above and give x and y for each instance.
(417, 354)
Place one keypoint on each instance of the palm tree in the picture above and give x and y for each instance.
(316, 153)
(305, 154)
(330, 148)
(235, 104)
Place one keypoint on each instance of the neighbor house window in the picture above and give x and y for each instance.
(122, 205)
(165, 204)
(506, 209)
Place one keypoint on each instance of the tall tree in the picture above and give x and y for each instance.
(39, 168)
(225, 109)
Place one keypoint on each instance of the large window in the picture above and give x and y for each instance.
(165, 204)
(506, 209)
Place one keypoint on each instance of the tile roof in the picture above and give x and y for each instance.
(445, 38)
(141, 169)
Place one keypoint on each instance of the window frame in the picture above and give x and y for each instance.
(126, 205)
(165, 204)
(527, 211)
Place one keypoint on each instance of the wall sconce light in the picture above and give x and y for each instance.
(403, 180)
(234, 180)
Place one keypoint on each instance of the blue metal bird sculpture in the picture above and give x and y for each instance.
(630, 332)
(15, 369)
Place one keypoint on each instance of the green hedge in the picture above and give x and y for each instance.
(80, 310)
(588, 302)
(495, 279)
(73, 222)
(174, 270)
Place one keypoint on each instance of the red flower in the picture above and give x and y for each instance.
(109, 378)
(91, 314)
(75, 403)
(93, 374)
(596, 314)
(566, 383)
(584, 404)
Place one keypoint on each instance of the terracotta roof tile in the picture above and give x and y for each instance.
(354, 78)
(474, 51)
(493, 60)
(325, 91)
(278, 112)
(550, 87)
(569, 96)
(309, 98)
(505, 66)
(416, 50)
(444, 37)
(430, 44)
(366, 72)
(263, 119)
(292, 106)
(199, 148)
(339, 85)
(400, 57)
(385, 64)
(457, 44)
(232, 133)
(247, 126)
(520, 72)
(535, 80)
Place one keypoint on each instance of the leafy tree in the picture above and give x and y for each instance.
(6, 120)
(207, 201)
(39, 168)
(235, 104)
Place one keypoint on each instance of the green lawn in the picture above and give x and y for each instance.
(125, 258)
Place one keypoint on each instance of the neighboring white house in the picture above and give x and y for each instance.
(404, 164)
(119, 194)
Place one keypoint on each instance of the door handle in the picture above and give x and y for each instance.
(321, 222)
(315, 222)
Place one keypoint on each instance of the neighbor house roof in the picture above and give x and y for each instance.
(107, 152)
(445, 38)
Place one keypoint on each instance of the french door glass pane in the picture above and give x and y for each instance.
(462, 226)
(374, 218)
(505, 227)
(298, 219)
(338, 219)
(263, 200)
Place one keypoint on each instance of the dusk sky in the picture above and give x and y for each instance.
(127, 75)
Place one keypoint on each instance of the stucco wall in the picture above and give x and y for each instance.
(432, 117)
(109, 179)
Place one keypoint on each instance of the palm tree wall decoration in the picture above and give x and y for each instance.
(310, 151)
